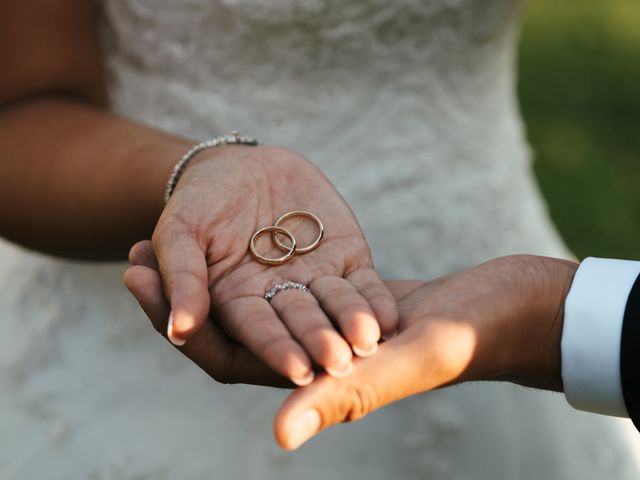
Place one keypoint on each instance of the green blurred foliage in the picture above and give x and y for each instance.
(580, 95)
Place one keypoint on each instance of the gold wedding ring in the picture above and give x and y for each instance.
(291, 249)
(299, 250)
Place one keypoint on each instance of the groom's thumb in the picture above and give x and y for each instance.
(376, 381)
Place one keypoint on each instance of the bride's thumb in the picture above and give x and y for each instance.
(387, 376)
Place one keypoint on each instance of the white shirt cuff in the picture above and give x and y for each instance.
(591, 335)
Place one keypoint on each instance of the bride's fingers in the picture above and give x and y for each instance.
(252, 322)
(184, 273)
(209, 348)
(380, 298)
(308, 324)
(324, 353)
(145, 285)
(350, 310)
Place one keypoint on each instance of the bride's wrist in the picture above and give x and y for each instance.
(198, 151)
(284, 165)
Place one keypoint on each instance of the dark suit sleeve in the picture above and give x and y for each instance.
(630, 355)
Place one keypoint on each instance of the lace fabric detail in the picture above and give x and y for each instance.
(215, 39)
(400, 103)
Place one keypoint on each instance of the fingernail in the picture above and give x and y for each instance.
(178, 342)
(363, 353)
(345, 372)
(303, 428)
(304, 381)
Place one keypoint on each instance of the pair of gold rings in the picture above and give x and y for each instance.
(291, 249)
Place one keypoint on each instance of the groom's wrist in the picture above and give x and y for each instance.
(537, 349)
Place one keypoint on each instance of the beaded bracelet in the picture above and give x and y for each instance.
(233, 138)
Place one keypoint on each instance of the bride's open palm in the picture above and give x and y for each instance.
(201, 242)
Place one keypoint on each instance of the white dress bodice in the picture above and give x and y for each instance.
(409, 107)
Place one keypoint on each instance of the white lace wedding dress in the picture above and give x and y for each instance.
(409, 107)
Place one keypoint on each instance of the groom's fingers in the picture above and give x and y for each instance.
(393, 373)
(428, 354)
(183, 268)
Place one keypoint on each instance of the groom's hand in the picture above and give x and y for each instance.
(499, 321)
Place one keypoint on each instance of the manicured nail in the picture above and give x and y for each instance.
(303, 428)
(172, 338)
(363, 353)
(304, 381)
(345, 372)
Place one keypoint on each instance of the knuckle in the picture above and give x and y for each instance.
(316, 334)
(375, 290)
(186, 275)
(361, 399)
(384, 306)
(327, 347)
(278, 350)
(134, 252)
